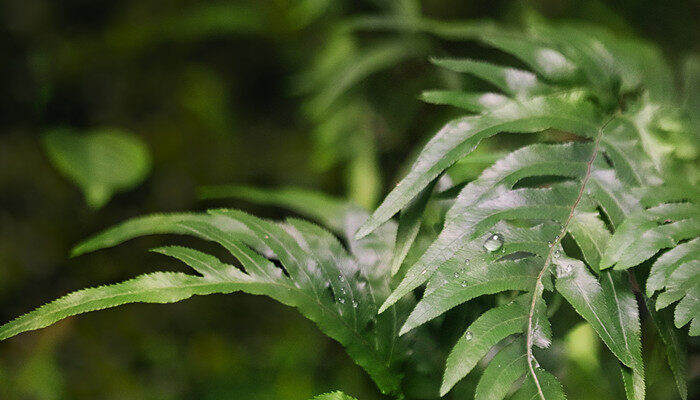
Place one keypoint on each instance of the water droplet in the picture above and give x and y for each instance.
(469, 335)
(340, 277)
(557, 253)
(534, 361)
(550, 243)
(493, 243)
(341, 300)
(466, 262)
(463, 284)
(342, 290)
(564, 270)
(423, 272)
(456, 274)
(355, 304)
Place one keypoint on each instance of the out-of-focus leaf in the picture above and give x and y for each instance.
(333, 396)
(101, 162)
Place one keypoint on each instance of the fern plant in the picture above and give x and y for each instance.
(556, 215)
(600, 202)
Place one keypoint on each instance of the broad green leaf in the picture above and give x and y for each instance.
(101, 162)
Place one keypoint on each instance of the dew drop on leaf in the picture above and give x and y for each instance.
(341, 300)
(355, 304)
(463, 284)
(469, 335)
(494, 242)
(550, 243)
(564, 270)
(557, 253)
(466, 262)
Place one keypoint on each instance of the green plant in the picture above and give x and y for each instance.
(102, 162)
(599, 201)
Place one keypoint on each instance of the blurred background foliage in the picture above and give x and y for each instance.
(267, 93)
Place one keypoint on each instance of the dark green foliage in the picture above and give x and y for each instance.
(606, 182)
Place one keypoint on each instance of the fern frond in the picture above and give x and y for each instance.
(504, 230)
(339, 289)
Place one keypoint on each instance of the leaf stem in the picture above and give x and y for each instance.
(538, 283)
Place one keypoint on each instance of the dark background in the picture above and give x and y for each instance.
(216, 102)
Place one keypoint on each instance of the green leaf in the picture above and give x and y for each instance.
(551, 388)
(593, 303)
(642, 235)
(326, 209)
(163, 224)
(101, 162)
(623, 305)
(502, 372)
(668, 262)
(511, 81)
(337, 289)
(591, 235)
(676, 352)
(474, 102)
(158, 287)
(459, 138)
(333, 396)
(409, 225)
(489, 329)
